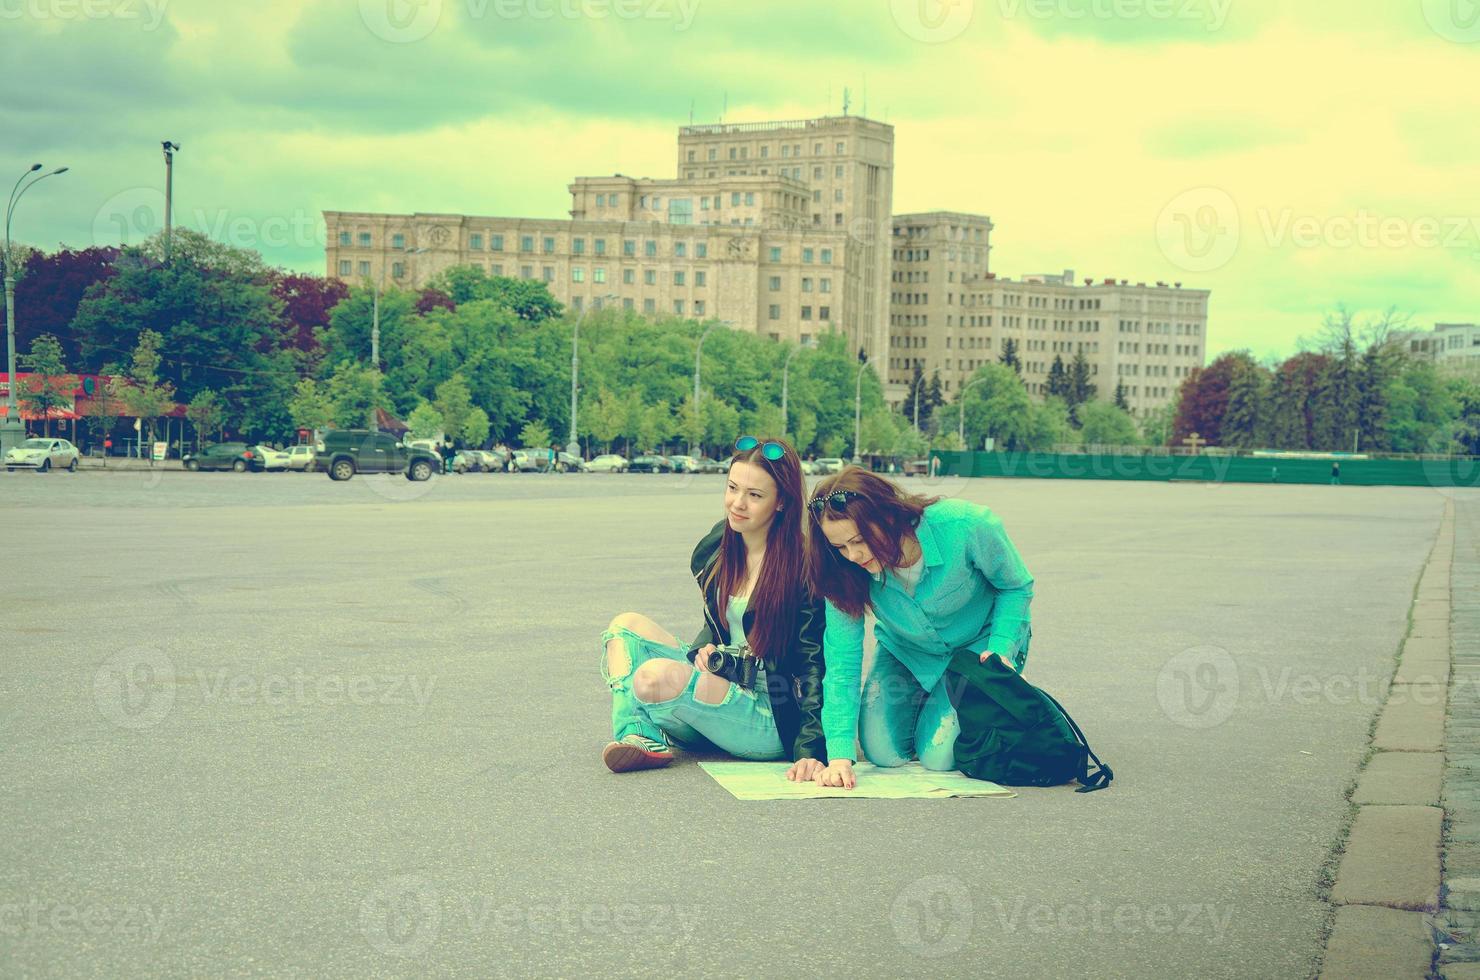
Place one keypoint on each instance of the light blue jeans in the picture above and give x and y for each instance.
(899, 719)
(741, 724)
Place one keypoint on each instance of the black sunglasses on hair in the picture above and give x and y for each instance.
(771, 450)
(837, 502)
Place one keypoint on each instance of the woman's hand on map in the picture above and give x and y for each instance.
(803, 769)
(839, 772)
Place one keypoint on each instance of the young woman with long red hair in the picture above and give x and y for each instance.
(940, 576)
(750, 569)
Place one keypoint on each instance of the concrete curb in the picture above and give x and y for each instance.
(1377, 942)
(1391, 868)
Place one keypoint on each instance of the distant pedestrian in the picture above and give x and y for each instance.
(1336, 474)
(554, 456)
(1274, 474)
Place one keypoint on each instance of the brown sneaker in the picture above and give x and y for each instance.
(635, 752)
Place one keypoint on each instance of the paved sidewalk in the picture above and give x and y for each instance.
(1459, 915)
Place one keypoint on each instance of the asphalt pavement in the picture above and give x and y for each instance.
(267, 724)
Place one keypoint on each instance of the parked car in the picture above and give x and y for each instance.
(235, 456)
(529, 461)
(810, 468)
(566, 463)
(345, 452)
(829, 464)
(300, 458)
(42, 455)
(684, 464)
(650, 464)
(607, 463)
(468, 461)
(707, 465)
(273, 459)
(499, 459)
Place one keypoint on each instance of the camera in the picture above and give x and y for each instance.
(735, 664)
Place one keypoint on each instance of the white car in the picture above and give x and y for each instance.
(300, 457)
(608, 463)
(830, 464)
(274, 460)
(42, 455)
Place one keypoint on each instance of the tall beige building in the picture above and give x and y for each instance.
(949, 313)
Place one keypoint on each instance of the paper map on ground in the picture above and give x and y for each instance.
(767, 781)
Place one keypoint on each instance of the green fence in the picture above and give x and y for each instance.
(1455, 472)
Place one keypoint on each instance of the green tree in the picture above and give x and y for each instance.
(1158, 425)
(49, 386)
(146, 397)
(455, 403)
(102, 413)
(1081, 388)
(535, 435)
(721, 424)
(354, 392)
(997, 405)
(528, 299)
(656, 425)
(475, 426)
(311, 406)
(1245, 423)
(1120, 401)
(205, 413)
(1057, 385)
(603, 417)
(1009, 356)
(425, 422)
(1105, 424)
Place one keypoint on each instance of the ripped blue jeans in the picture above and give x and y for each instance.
(899, 719)
(741, 723)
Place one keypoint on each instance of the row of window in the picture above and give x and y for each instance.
(824, 285)
(955, 233)
(773, 312)
(787, 150)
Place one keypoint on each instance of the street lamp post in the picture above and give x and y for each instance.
(917, 402)
(573, 445)
(698, 352)
(961, 409)
(169, 147)
(12, 429)
(858, 412)
(785, 372)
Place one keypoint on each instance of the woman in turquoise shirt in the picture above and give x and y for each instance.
(939, 576)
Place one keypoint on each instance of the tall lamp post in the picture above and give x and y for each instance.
(170, 147)
(12, 429)
(573, 445)
(961, 406)
(858, 412)
(917, 401)
(785, 371)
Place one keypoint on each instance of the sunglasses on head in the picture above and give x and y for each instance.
(837, 502)
(771, 450)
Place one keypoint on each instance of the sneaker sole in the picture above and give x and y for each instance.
(620, 757)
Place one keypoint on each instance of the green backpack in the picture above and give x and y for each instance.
(1015, 734)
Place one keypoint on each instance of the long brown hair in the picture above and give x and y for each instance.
(775, 598)
(884, 514)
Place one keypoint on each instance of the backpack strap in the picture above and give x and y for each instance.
(1102, 774)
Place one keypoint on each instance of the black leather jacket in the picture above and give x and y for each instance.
(794, 679)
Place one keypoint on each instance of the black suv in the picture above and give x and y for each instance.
(345, 452)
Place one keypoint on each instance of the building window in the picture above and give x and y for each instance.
(498, 269)
(749, 199)
(650, 277)
(837, 217)
(773, 312)
(806, 284)
(678, 277)
(629, 276)
(699, 278)
(650, 248)
(601, 200)
(704, 203)
(364, 239)
(817, 197)
(495, 243)
(398, 270)
(786, 149)
(547, 272)
(817, 149)
(399, 241)
(577, 274)
(598, 274)
(681, 211)
(649, 305)
(824, 313)
(681, 249)
(629, 247)
(734, 199)
(599, 246)
(344, 238)
(775, 254)
(526, 243)
(549, 245)
(578, 246)
(699, 303)
(732, 153)
(475, 242)
(838, 171)
(837, 194)
(701, 250)
(627, 303)
(678, 307)
(807, 255)
(344, 265)
(713, 153)
(825, 285)
(526, 272)
(774, 284)
(806, 313)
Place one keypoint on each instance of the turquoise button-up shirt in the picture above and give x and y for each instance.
(973, 593)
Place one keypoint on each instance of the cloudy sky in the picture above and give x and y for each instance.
(1287, 156)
